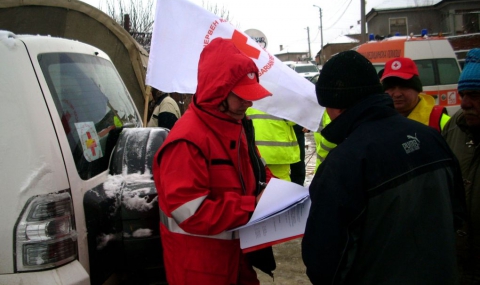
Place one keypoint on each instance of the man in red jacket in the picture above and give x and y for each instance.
(208, 173)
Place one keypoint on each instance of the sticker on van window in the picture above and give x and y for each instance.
(90, 141)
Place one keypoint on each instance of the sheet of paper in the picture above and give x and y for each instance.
(288, 224)
(277, 197)
(259, 220)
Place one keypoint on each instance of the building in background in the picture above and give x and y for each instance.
(287, 55)
(457, 20)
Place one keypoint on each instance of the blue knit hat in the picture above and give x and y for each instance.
(470, 77)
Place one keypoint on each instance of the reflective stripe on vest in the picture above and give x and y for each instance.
(274, 137)
(323, 147)
(269, 143)
(328, 148)
(320, 158)
(173, 227)
(265, 117)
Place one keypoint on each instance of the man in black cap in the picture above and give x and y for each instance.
(385, 202)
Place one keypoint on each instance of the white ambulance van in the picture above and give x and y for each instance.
(71, 138)
(435, 59)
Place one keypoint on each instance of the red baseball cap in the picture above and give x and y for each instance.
(402, 67)
(249, 89)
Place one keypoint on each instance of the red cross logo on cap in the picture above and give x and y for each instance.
(396, 65)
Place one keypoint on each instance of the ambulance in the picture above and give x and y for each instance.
(435, 59)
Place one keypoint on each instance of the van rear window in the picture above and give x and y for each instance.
(442, 71)
(91, 101)
(426, 70)
(448, 71)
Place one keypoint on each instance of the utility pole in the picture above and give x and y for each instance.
(321, 34)
(363, 21)
(309, 51)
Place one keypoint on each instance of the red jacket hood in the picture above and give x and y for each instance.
(220, 67)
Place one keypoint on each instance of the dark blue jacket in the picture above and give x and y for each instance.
(384, 202)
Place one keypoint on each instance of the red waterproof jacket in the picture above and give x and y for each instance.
(205, 180)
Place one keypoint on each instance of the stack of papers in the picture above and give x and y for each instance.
(280, 215)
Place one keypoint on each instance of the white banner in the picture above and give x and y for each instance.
(180, 32)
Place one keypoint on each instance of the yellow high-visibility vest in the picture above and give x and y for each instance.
(323, 146)
(275, 138)
(421, 112)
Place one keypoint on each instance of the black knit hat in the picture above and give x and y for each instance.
(393, 81)
(345, 79)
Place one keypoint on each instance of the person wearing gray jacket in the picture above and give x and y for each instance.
(462, 134)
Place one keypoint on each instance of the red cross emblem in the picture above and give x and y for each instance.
(396, 65)
(240, 42)
(91, 143)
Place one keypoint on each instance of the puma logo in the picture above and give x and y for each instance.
(412, 144)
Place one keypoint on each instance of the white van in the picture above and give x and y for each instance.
(435, 59)
(71, 138)
(305, 69)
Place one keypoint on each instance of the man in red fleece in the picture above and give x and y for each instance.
(209, 175)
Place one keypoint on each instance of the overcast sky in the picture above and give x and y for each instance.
(285, 22)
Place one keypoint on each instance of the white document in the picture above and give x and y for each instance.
(279, 196)
(290, 223)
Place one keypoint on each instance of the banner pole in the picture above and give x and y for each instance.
(148, 96)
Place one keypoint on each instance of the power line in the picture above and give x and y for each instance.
(332, 15)
(331, 26)
(316, 35)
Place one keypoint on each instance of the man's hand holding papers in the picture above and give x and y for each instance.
(280, 215)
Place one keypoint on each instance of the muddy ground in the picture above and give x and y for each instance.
(290, 268)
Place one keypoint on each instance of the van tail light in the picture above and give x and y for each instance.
(45, 233)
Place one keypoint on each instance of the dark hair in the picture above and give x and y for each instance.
(393, 81)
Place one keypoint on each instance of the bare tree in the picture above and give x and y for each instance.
(222, 12)
(136, 16)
